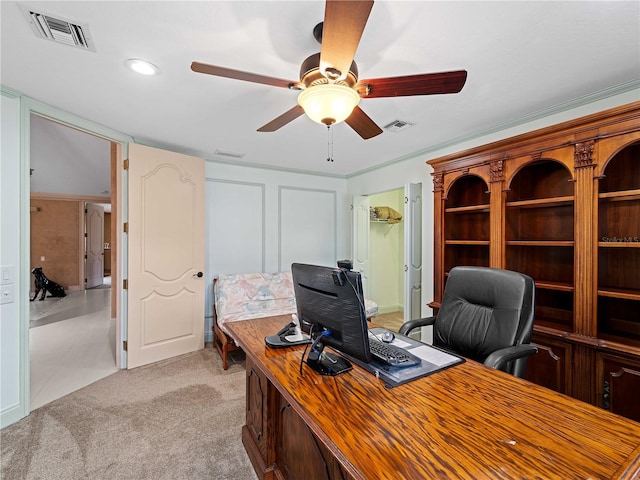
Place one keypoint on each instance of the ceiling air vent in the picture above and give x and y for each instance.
(397, 126)
(58, 30)
(222, 153)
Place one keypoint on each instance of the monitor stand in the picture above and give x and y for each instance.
(326, 363)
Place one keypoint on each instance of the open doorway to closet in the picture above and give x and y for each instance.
(387, 250)
(72, 338)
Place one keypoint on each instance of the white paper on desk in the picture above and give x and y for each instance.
(396, 341)
(433, 355)
(400, 343)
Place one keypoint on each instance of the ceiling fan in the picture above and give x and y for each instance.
(329, 84)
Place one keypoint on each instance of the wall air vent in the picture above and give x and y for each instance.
(222, 153)
(58, 30)
(397, 126)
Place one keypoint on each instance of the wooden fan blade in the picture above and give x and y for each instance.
(362, 124)
(282, 120)
(344, 22)
(240, 75)
(425, 84)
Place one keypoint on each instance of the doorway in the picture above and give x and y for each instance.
(386, 258)
(72, 339)
(387, 250)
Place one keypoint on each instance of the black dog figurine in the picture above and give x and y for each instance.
(46, 285)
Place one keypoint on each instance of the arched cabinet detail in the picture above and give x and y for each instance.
(466, 221)
(539, 231)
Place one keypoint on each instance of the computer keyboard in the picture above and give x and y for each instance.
(391, 355)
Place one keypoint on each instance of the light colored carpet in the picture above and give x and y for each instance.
(176, 419)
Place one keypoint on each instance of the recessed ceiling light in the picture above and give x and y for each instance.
(142, 66)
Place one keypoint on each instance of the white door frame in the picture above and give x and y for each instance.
(28, 107)
(360, 239)
(412, 238)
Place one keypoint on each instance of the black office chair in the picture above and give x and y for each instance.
(486, 315)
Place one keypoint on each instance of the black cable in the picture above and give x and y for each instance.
(359, 295)
(307, 346)
(360, 298)
(305, 349)
(325, 333)
(302, 359)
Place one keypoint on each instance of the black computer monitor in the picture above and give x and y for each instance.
(331, 307)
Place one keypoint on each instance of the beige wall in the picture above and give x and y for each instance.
(57, 226)
(55, 235)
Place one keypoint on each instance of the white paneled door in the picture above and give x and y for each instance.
(94, 245)
(360, 238)
(413, 251)
(165, 255)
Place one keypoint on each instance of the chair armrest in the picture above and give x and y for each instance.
(500, 358)
(406, 327)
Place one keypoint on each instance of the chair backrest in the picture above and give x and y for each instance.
(483, 310)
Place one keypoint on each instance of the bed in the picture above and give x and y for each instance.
(253, 295)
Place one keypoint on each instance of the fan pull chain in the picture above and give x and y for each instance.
(329, 144)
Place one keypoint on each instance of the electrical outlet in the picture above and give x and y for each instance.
(6, 294)
(42, 258)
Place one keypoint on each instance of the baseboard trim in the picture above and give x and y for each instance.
(389, 309)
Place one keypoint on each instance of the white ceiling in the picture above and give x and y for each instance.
(524, 59)
(67, 161)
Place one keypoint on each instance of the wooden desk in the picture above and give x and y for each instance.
(465, 422)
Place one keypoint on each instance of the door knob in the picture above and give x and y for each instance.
(199, 274)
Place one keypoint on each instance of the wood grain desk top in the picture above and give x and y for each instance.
(464, 422)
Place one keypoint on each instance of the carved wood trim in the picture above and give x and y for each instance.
(438, 182)
(496, 173)
(584, 154)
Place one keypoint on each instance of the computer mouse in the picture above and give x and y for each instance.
(387, 337)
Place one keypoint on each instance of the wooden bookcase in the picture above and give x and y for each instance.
(466, 223)
(561, 204)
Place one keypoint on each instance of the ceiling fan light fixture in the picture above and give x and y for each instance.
(328, 104)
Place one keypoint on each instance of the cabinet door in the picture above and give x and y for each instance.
(260, 399)
(551, 366)
(618, 385)
(300, 455)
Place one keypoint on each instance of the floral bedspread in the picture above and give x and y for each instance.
(257, 295)
(253, 295)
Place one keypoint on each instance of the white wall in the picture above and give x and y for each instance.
(12, 343)
(61, 155)
(261, 220)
